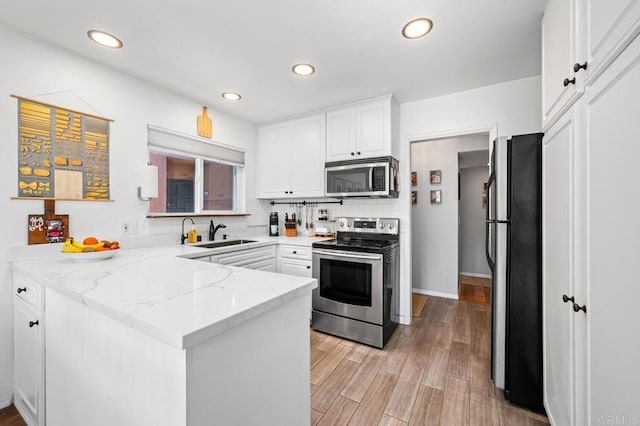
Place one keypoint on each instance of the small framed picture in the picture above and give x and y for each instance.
(435, 177)
(414, 197)
(414, 178)
(436, 197)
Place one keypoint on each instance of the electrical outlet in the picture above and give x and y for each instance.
(129, 227)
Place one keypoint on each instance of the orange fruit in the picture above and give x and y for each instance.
(90, 241)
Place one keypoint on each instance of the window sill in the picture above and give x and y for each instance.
(160, 215)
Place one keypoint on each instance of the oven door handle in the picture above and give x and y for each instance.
(351, 255)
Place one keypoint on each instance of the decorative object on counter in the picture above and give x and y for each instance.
(414, 178)
(205, 125)
(436, 197)
(148, 188)
(273, 224)
(62, 153)
(48, 227)
(414, 197)
(212, 232)
(435, 177)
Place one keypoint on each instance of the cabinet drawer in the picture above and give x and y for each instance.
(28, 290)
(296, 252)
(244, 257)
(300, 268)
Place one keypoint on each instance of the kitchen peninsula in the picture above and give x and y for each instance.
(152, 337)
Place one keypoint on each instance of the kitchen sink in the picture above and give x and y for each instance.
(224, 243)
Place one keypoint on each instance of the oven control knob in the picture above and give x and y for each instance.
(381, 225)
(349, 224)
(390, 225)
(341, 224)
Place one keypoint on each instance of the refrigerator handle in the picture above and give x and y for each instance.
(488, 222)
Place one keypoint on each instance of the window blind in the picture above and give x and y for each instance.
(158, 137)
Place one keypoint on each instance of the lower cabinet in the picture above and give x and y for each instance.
(294, 260)
(28, 347)
(260, 258)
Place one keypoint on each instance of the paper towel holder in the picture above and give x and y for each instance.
(149, 187)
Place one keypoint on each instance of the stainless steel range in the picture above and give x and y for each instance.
(358, 279)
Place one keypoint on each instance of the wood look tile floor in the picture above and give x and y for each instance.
(9, 416)
(474, 289)
(434, 372)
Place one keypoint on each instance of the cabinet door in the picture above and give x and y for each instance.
(374, 130)
(559, 53)
(300, 268)
(611, 136)
(28, 356)
(341, 134)
(609, 26)
(307, 157)
(273, 156)
(557, 261)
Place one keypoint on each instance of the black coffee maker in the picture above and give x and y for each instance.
(273, 224)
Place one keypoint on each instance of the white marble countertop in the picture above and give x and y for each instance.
(172, 298)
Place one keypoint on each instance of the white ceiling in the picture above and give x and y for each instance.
(201, 48)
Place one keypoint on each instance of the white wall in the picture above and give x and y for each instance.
(31, 68)
(434, 227)
(472, 228)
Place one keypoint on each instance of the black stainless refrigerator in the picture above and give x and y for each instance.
(523, 321)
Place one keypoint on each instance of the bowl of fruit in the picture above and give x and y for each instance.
(90, 249)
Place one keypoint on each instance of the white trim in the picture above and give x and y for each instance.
(6, 400)
(471, 274)
(434, 293)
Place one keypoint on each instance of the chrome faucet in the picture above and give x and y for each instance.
(184, 236)
(218, 226)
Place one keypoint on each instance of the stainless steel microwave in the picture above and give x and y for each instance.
(366, 177)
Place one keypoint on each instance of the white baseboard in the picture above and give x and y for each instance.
(6, 400)
(434, 293)
(471, 274)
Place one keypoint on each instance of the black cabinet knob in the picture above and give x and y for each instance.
(568, 82)
(308, 267)
(32, 323)
(577, 67)
(20, 290)
(353, 153)
(578, 308)
(566, 298)
(295, 252)
(286, 192)
(358, 152)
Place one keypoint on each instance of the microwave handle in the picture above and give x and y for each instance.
(371, 178)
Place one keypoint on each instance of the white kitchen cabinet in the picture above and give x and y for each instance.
(361, 130)
(28, 350)
(560, 43)
(261, 258)
(290, 158)
(580, 39)
(295, 260)
(610, 240)
(558, 279)
(609, 26)
(591, 237)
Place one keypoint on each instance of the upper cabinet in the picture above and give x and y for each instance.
(560, 87)
(361, 130)
(580, 39)
(290, 158)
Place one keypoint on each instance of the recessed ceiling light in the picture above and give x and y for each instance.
(417, 28)
(105, 39)
(303, 69)
(231, 96)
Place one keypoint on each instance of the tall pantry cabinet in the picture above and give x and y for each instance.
(591, 202)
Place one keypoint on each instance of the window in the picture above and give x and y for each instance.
(195, 175)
